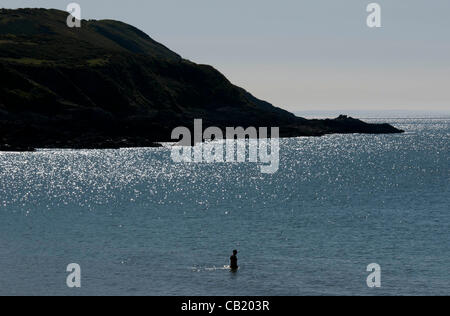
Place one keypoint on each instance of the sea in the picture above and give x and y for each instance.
(136, 223)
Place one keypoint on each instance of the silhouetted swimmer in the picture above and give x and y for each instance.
(234, 261)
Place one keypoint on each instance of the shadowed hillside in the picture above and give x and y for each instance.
(107, 84)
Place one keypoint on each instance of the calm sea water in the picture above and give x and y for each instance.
(139, 224)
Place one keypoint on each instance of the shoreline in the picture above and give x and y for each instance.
(6, 148)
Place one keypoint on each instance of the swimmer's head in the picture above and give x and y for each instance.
(235, 252)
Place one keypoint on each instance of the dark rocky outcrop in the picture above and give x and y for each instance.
(109, 85)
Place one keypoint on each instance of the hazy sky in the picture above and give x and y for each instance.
(302, 55)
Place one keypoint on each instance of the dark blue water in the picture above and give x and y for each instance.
(139, 224)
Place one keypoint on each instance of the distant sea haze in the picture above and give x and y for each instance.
(362, 114)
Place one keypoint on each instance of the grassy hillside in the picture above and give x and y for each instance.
(109, 84)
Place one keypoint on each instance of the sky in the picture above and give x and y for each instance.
(302, 55)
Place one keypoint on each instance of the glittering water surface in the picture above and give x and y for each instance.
(139, 224)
